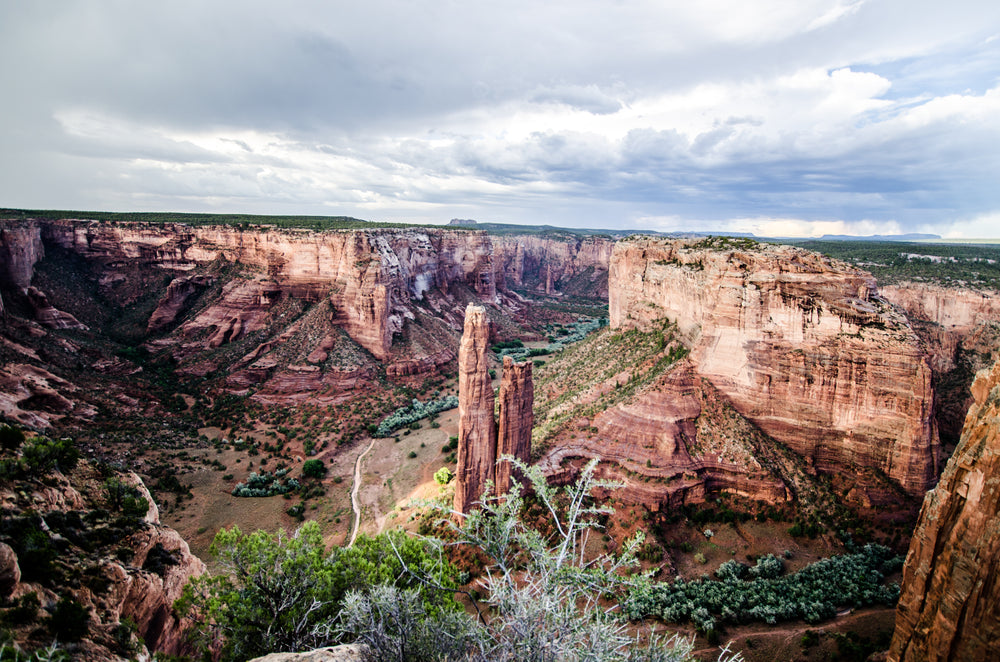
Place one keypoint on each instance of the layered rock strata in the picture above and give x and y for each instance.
(677, 444)
(960, 330)
(552, 265)
(803, 346)
(370, 276)
(481, 441)
(949, 608)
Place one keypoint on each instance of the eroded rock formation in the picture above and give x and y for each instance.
(48, 315)
(477, 429)
(480, 440)
(179, 293)
(803, 346)
(143, 588)
(949, 608)
(677, 443)
(516, 398)
(36, 398)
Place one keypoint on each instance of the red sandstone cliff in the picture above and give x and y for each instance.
(677, 442)
(949, 608)
(803, 345)
(959, 330)
(369, 276)
(549, 264)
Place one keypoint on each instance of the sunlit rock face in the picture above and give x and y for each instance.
(803, 345)
(949, 608)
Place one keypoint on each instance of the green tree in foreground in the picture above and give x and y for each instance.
(285, 593)
(313, 468)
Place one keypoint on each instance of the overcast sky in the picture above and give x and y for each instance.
(778, 117)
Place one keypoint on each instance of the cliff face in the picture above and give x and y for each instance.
(802, 345)
(369, 276)
(20, 248)
(549, 265)
(960, 331)
(516, 396)
(949, 608)
(677, 445)
(477, 430)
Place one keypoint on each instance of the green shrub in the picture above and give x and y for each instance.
(11, 438)
(69, 621)
(23, 611)
(813, 594)
(313, 468)
(443, 476)
(308, 581)
(41, 455)
(408, 416)
(266, 484)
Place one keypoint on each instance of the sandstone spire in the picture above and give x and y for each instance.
(477, 431)
(517, 394)
(949, 608)
(478, 442)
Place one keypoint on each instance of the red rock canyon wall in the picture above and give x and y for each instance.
(803, 345)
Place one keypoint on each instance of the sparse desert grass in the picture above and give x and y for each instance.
(602, 370)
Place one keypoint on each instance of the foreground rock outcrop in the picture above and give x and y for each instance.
(949, 608)
(480, 440)
(134, 568)
(803, 346)
(343, 653)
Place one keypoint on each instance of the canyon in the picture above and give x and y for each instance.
(766, 373)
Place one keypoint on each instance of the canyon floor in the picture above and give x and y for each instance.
(261, 367)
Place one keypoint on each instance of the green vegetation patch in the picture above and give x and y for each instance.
(414, 412)
(572, 383)
(972, 265)
(266, 484)
(744, 595)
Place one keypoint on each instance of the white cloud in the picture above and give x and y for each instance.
(770, 114)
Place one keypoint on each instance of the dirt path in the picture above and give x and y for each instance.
(355, 505)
